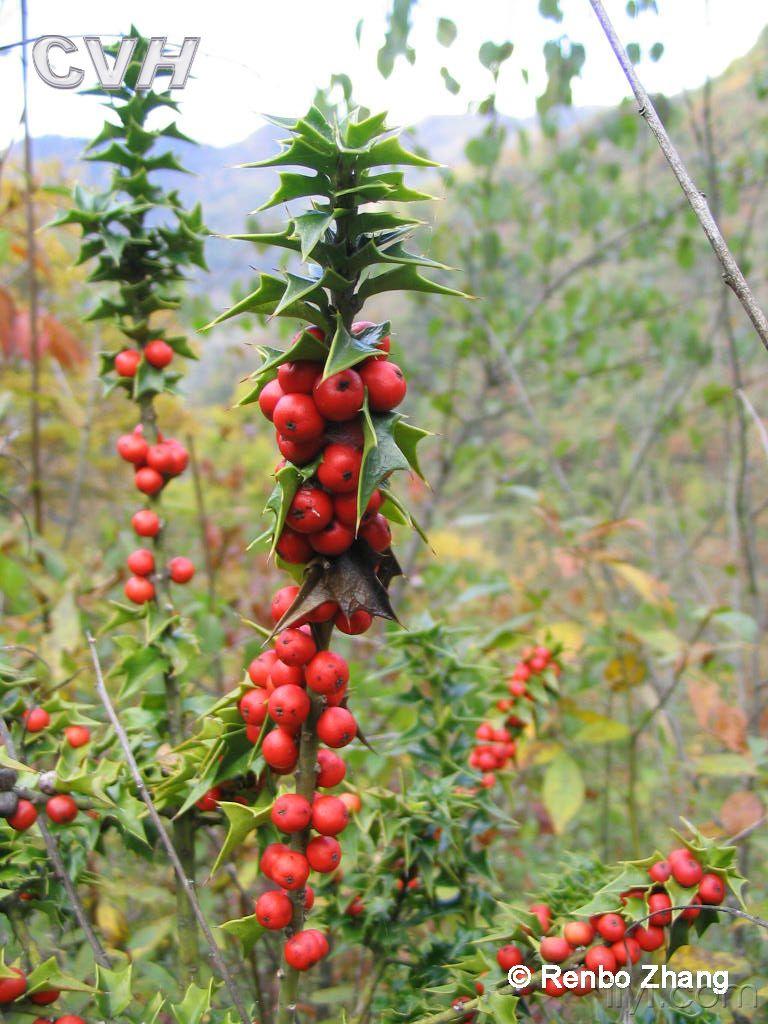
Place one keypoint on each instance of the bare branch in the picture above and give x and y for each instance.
(173, 857)
(732, 274)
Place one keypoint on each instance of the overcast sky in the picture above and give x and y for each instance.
(270, 55)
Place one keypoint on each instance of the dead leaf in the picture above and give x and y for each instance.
(741, 810)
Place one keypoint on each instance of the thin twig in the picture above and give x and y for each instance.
(732, 274)
(758, 422)
(170, 850)
(60, 871)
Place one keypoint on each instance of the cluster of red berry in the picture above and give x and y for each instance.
(496, 745)
(611, 941)
(157, 353)
(21, 813)
(13, 988)
(314, 416)
(155, 464)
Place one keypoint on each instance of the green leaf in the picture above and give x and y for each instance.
(405, 278)
(493, 55)
(296, 186)
(451, 84)
(446, 31)
(306, 346)
(724, 765)
(600, 729)
(381, 454)
(246, 930)
(265, 299)
(114, 990)
(359, 133)
(550, 9)
(562, 790)
(350, 349)
(195, 1005)
(310, 227)
(242, 821)
(49, 975)
(407, 437)
(391, 151)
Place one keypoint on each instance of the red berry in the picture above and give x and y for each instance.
(329, 815)
(291, 813)
(554, 987)
(45, 996)
(158, 353)
(334, 539)
(509, 956)
(324, 854)
(611, 926)
(310, 510)
(295, 647)
(336, 727)
(181, 570)
(280, 750)
(290, 869)
(659, 905)
(268, 857)
(690, 913)
(300, 951)
(269, 396)
(209, 801)
(61, 809)
(385, 383)
(299, 377)
(358, 622)
(686, 871)
(289, 706)
(331, 769)
(376, 531)
(554, 949)
(339, 469)
(297, 419)
(711, 889)
(322, 612)
(345, 507)
(179, 457)
(600, 956)
(284, 675)
(25, 816)
(12, 988)
(649, 938)
(69, 1018)
(579, 933)
(327, 672)
(259, 669)
(77, 735)
(148, 480)
(141, 562)
(299, 453)
(146, 523)
(282, 601)
(36, 719)
(274, 910)
(139, 589)
(160, 457)
(127, 362)
(626, 950)
(253, 707)
(133, 448)
(340, 396)
(544, 915)
(293, 547)
(660, 871)
(355, 907)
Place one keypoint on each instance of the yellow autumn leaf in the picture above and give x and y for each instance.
(624, 671)
(648, 587)
(112, 923)
(567, 633)
(696, 958)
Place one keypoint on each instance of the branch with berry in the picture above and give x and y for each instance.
(332, 396)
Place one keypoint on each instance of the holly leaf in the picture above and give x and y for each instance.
(403, 279)
(114, 990)
(195, 1004)
(310, 228)
(296, 186)
(288, 480)
(350, 349)
(242, 821)
(381, 455)
(245, 929)
(407, 437)
(305, 346)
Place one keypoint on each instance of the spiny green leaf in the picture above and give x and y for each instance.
(350, 349)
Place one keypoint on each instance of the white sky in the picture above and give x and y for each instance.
(270, 55)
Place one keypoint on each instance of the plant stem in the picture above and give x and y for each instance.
(732, 274)
(186, 884)
(306, 774)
